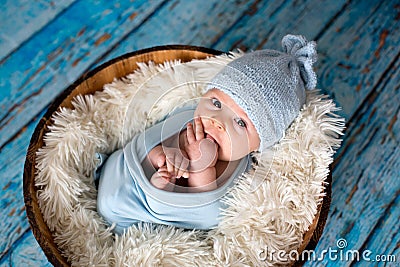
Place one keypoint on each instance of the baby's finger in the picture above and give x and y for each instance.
(170, 166)
(162, 169)
(184, 168)
(163, 173)
(190, 134)
(181, 170)
(161, 161)
(199, 129)
(185, 174)
(178, 162)
(185, 164)
(180, 174)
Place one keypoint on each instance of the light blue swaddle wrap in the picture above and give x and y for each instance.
(126, 196)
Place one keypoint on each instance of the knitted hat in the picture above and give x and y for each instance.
(270, 85)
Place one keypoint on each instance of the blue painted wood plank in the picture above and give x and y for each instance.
(183, 22)
(384, 241)
(57, 55)
(357, 51)
(269, 21)
(20, 19)
(366, 178)
(26, 252)
(13, 221)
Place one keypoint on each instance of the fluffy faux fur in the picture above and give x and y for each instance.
(271, 207)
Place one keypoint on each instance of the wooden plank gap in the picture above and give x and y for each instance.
(5, 120)
(324, 30)
(173, 5)
(369, 136)
(111, 48)
(23, 129)
(7, 253)
(17, 47)
(347, 230)
(249, 12)
(390, 128)
(354, 122)
(367, 18)
(353, 190)
(381, 220)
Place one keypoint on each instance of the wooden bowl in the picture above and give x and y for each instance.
(90, 83)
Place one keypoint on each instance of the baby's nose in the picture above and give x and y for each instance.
(217, 124)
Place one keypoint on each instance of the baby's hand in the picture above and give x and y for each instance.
(202, 152)
(157, 156)
(177, 162)
(162, 178)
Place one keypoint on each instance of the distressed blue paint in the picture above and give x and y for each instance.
(273, 19)
(179, 22)
(366, 179)
(56, 56)
(13, 221)
(25, 252)
(20, 19)
(366, 40)
(358, 65)
(388, 228)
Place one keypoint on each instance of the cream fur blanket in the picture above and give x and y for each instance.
(270, 208)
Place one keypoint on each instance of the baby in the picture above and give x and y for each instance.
(207, 144)
(246, 108)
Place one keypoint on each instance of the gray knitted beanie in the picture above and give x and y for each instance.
(270, 85)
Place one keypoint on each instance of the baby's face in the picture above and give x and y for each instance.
(226, 123)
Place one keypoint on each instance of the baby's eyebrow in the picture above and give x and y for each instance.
(242, 115)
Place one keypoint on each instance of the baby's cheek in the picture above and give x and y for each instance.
(200, 109)
(208, 151)
(224, 155)
(238, 149)
(225, 151)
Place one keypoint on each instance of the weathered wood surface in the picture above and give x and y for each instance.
(58, 54)
(20, 19)
(358, 44)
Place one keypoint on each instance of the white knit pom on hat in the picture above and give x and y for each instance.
(270, 85)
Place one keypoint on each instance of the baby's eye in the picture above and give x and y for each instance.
(241, 123)
(216, 103)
